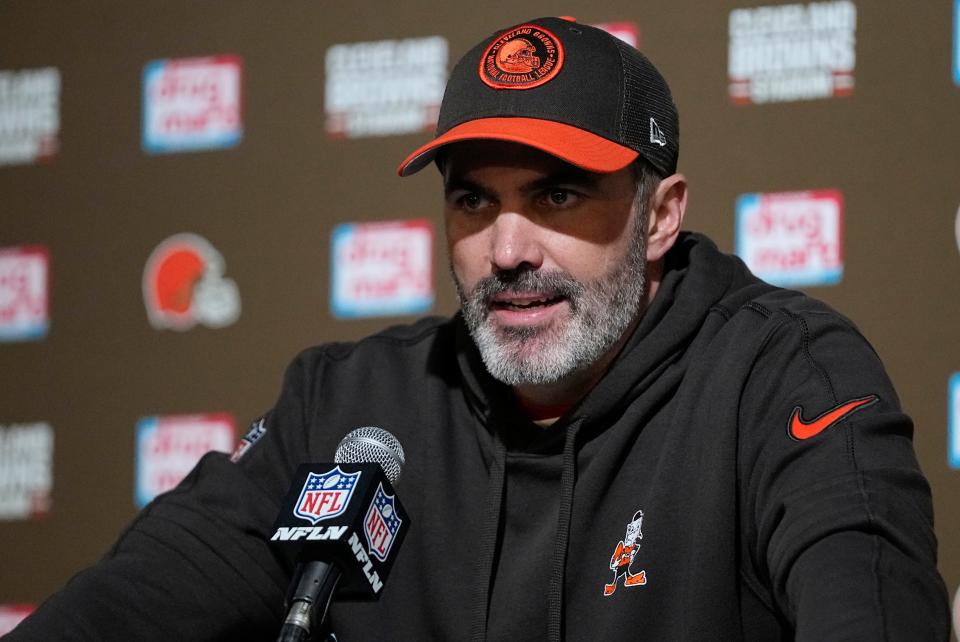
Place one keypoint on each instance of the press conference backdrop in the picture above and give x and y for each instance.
(191, 192)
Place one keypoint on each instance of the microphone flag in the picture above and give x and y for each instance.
(347, 514)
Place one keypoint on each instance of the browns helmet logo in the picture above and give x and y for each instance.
(524, 57)
(517, 57)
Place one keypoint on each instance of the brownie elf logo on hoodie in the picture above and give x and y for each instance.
(624, 554)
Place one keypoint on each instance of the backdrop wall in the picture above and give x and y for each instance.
(255, 140)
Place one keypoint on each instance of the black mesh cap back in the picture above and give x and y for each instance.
(646, 96)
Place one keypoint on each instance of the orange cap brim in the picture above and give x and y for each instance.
(571, 144)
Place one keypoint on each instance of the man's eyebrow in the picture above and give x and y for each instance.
(455, 183)
(571, 176)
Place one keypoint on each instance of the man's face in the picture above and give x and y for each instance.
(548, 259)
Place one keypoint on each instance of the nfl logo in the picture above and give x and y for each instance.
(381, 524)
(325, 495)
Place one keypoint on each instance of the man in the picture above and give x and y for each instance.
(605, 367)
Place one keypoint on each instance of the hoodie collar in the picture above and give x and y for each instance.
(696, 277)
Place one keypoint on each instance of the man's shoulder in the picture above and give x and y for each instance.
(746, 293)
(775, 304)
(413, 342)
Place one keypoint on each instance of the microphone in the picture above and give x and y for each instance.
(356, 526)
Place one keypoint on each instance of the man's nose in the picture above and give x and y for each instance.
(515, 243)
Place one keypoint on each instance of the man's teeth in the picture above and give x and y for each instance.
(529, 303)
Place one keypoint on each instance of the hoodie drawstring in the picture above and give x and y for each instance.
(568, 480)
(492, 512)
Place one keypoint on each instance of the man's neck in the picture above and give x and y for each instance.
(544, 404)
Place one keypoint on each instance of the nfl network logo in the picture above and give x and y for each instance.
(381, 524)
(325, 495)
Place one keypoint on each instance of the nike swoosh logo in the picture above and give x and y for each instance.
(800, 429)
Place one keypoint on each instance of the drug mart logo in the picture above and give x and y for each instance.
(793, 238)
(24, 299)
(385, 87)
(629, 32)
(192, 104)
(12, 614)
(953, 421)
(29, 115)
(792, 52)
(184, 284)
(382, 268)
(26, 470)
(956, 42)
(169, 447)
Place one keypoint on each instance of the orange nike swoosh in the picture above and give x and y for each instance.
(800, 429)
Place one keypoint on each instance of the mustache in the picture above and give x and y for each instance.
(552, 283)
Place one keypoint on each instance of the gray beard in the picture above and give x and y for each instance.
(600, 313)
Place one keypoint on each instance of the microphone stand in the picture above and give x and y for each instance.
(314, 588)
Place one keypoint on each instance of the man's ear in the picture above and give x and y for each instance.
(666, 216)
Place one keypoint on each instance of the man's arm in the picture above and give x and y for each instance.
(837, 514)
(194, 564)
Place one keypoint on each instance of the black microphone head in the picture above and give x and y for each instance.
(372, 445)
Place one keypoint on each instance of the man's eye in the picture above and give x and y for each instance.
(560, 198)
(472, 201)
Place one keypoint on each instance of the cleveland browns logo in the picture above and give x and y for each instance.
(524, 57)
(623, 556)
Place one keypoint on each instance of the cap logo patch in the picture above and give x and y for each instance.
(521, 58)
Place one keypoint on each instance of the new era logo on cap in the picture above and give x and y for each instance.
(656, 136)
